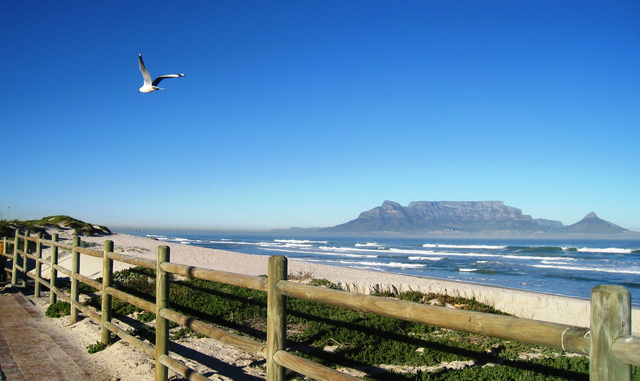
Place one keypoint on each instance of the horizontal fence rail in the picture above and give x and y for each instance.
(551, 335)
(608, 342)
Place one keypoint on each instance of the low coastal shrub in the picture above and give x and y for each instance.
(97, 347)
(59, 309)
(382, 348)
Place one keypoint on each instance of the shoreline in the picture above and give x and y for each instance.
(525, 304)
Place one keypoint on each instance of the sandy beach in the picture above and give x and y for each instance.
(545, 307)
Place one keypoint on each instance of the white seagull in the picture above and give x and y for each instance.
(152, 86)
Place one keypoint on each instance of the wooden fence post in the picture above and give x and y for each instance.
(162, 301)
(3, 262)
(25, 260)
(107, 281)
(54, 273)
(610, 319)
(38, 270)
(14, 270)
(276, 317)
(75, 268)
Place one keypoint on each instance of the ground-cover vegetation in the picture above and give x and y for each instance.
(378, 348)
(56, 310)
(7, 228)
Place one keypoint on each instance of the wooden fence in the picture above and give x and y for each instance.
(608, 342)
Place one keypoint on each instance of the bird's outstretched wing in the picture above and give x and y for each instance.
(145, 73)
(160, 78)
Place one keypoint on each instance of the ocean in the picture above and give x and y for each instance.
(562, 267)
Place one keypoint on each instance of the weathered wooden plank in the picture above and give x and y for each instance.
(627, 349)
(43, 261)
(75, 268)
(89, 281)
(243, 343)
(89, 252)
(63, 247)
(610, 319)
(14, 270)
(31, 256)
(553, 335)
(87, 311)
(61, 294)
(142, 262)
(141, 303)
(133, 341)
(310, 368)
(38, 269)
(234, 279)
(62, 270)
(25, 267)
(107, 282)
(277, 317)
(181, 369)
(43, 282)
(31, 238)
(53, 276)
(162, 301)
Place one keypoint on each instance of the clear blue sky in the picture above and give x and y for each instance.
(306, 113)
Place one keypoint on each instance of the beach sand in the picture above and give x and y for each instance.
(538, 306)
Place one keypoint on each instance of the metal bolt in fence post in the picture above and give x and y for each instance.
(162, 301)
(107, 276)
(276, 317)
(54, 273)
(38, 278)
(14, 270)
(75, 268)
(610, 319)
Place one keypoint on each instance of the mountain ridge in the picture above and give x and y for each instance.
(468, 218)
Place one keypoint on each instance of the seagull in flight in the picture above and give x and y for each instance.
(152, 86)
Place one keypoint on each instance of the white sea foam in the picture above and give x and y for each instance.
(346, 249)
(368, 244)
(593, 269)
(533, 257)
(447, 253)
(301, 250)
(228, 241)
(487, 247)
(554, 263)
(415, 258)
(383, 264)
(298, 241)
(184, 241)
(467, 270)
(367, 264)
(612, 250)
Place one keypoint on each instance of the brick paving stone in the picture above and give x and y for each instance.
(28, 352)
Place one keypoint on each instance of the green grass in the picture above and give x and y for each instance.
(340, 338)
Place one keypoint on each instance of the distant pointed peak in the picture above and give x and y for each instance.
(591, 215)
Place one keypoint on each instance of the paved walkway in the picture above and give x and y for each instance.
(28, 351)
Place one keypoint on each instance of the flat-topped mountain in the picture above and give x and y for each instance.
(463, 217)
